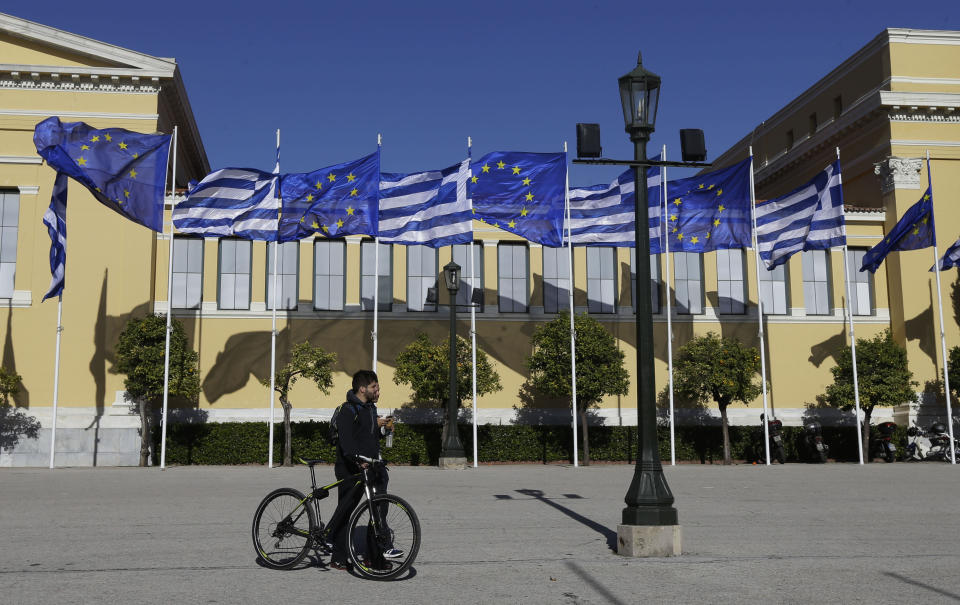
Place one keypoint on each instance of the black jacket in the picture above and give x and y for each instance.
(357, 429)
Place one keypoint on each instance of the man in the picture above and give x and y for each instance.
(359, 430)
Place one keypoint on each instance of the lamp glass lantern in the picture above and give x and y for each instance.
(640, 95)
(451, 277)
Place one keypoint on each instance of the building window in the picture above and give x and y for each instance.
(773, 290)
(421, 276)
(556, 279)
(469, 285)
(329, 270)
(9, 222)
(813, 123)
(288, 268)
(187, 273)
(861, 283)
(789, 140)
(731, 288)
(512, 271)
(837, 107)
(816, 282)
(655, 281)
(233, 291)
(368, 253)
(688, 282)
(601, 280)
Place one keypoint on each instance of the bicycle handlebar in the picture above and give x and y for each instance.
(370, 460)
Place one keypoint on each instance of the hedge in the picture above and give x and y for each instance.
(419, 444)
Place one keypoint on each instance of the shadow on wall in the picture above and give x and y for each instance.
(22, 398)
(536, 409)
(923, 328)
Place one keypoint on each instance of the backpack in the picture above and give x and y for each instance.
(333, 436)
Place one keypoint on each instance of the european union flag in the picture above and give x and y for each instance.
(124, 170)
(334, 201)
(522, 193)
(912, 232)
(710, 211)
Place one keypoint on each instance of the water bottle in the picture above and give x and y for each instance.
(388, 442)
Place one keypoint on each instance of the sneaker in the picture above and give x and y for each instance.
(393, 553)
(339, 565)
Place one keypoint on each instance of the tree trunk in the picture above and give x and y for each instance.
(724, 428)
(286, 430)
(144, 434)
(586, 438)
(867, 454)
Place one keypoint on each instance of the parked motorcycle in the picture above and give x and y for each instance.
(813, 442)
(883, 445)
(775, 428)
(932, 444)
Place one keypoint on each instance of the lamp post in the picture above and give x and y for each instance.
(649, 499)
(452, 454)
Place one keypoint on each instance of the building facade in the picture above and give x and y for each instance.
(883, 108)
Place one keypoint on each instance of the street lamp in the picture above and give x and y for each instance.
(452, 454)
(649, 499)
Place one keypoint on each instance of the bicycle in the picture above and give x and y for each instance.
(288, 523)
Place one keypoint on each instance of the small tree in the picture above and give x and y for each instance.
(600, 370)
(720, 369)
(882, 375)
(308, 362)
(14, 423)
(140, 354)
(425, 367)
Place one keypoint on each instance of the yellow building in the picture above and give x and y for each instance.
(883, 107)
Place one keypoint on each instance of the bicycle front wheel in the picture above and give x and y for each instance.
(282, 527)
(384, 544)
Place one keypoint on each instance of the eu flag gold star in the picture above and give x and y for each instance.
(716, 222)
(123, 145)
(350, 209)
(694, 240)
(916, 230)
(526, 182)
(711, 186)
(708, 235)
(719, 191)
(486, 168)
(315, 225)
(516, 170)
(677, 202)
(674, 230)
(926, 197)
(529, 197)
(500, 165)
(107, 137)
(95, 139)
(133, 174)
(473, 180)
(325, 229)
(350, 177)
(82, 162)
(353, 192)
(673, 217)
(126, 193)
(721, 208)
(332, 178)
(925, 219)
(680, 236)
(511, 224)
(303, 219)
(701, 186)
(84, 147)
(340, 223)
(319, 185)
(136, 155)
(309, 197)
(524, 211)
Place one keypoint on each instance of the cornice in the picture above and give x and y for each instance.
(923, 36)
(34, 77)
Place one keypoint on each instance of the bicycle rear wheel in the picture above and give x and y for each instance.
(282, 527)
(389, 553)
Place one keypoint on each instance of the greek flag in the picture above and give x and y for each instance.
(426, 208)
(808, 218)
(55, 218)
(241, 202)
(603, 215)
(950, 258)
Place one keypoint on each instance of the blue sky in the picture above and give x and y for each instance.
(513, 75)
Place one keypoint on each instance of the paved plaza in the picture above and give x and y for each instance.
(838, 533)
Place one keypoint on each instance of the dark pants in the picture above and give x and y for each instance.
(348, 495)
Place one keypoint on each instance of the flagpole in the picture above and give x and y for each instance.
(666, 240)
(376, 280)
(273, 332)
(166, 347)
(943, 336)
(473, 321)
(853, 339)
(763, 360)
(573, 331)
(56, 377)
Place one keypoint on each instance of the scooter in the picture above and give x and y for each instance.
(817, 450)
(932, 444)
(775, 428)
(883, 445)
